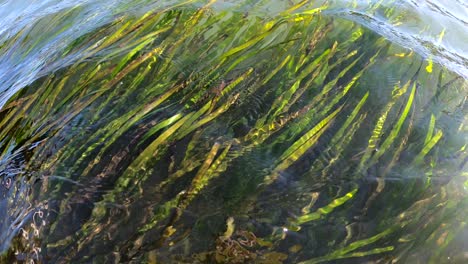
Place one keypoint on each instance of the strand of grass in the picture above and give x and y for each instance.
(211, 169)
(333, 102)
(237, 81)
(297, 17)
(436, 212)
(348, 56)
(7, 144)
(396, 128)
(111, 132)
(300, 147)
(145, 24)
(205, 173)
(330, 85)
(192, 146)
(337, 254)
(379, 126)
(200, 179)
(213, 40)
(152, 149)
(7, 125)
(197, 16)
(295, 7)
(14, 102)
(48, 93)
(441, 89)
(135, 82)
(8, 122)
(393, 162)
(256, 52)
(261, 133)
(276, 70)
(143, 42)
(342, 144)
(319, 34)
(81, 45)
(304, 139)
(142, 23)
(134, 64)
(213, 74)
(80, 106)
(185, 31)
(140, 77)
(246, 45)
(102, 43)
(430, 131)
(401, 146)
(317, 99)
(111, 97)
(160, 126)
(376, 5)
(349, 120)
(51, 97)
(183, 199)
(351, 255)
(186, 168)
(280, 37)
(284, 102)
(203, 84)
(192, 124)
(321, 212)
(191, 165)
(208, 118)
(116, 36)
(47, 87)
(263, 130)
(85, 80)
(345, 134)
(353, 81)
(190, 162)
(247, 30)
(427, 148)
(129, 30)
(196, 116)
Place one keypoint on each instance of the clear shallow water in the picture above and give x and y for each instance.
(154, 162)
(434, 29)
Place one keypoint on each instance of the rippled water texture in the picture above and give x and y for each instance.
(233, 131)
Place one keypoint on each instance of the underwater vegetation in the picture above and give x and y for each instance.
(190, 134)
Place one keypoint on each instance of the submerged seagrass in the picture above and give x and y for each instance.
(189, 134)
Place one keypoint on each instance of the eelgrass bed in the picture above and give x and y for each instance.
(194, 135)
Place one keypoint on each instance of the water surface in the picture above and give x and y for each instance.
(233, 131)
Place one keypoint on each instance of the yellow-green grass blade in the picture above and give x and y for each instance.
(379, 126)
(396, 129)
(325, 210)
(303, 144)
(428, 147)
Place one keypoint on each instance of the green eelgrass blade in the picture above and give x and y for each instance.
(324, 210)
(429, 145)
(396, 129)
(379, 127)
(298, 146)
